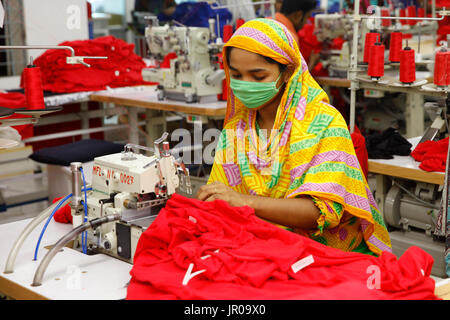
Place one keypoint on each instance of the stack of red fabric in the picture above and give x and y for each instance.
(15, 100)
(432, 155)
(122, 67)
(209, 250)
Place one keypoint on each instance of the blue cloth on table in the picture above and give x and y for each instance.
(80, 151)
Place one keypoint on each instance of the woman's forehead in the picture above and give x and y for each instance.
(239, 57)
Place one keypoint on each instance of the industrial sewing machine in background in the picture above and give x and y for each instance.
(331, 26)
(194, 75)
(328, 27)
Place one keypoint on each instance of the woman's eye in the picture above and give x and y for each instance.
(259, 78)
(236, 76)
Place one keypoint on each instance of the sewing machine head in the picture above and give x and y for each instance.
(330, 26)
(194, 72)
(136, 187)
(157, 175)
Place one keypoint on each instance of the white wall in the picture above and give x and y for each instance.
(50, 22)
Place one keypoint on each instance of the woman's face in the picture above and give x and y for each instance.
(249, 66)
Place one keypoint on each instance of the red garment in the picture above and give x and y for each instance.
(359, 142)
(63, 214)
(245, 257)
(442, 3)
(166, 62)
(224, 95)
(432, 155)
(16, 100)
(122, 67)
(308, 41)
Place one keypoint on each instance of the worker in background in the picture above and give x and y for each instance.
(293, 14)
(156, 7)
(285, 152)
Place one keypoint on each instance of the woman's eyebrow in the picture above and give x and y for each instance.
(251, 70)
(256, 70)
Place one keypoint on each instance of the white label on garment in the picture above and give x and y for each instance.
(192, 219)
(209, 256)
(189, 275)
(300, 264)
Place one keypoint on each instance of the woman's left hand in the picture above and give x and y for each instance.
(218, 190)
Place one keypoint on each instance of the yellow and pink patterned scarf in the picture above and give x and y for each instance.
(309, 152)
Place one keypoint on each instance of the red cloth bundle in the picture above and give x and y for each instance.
(432, 155)
(16, 100)
(63, 214)
(122, 67)
(209, 250)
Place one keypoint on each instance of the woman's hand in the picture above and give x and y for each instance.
(218, 190)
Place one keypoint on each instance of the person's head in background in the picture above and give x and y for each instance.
(298, 11)
(278, 4)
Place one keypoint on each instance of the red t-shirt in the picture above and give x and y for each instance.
(210, 250)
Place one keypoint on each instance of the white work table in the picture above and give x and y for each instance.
(405, 167)
(71, 275)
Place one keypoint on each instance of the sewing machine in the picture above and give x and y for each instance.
(328, 27)
(127, 192)
(194, 73)
(130, 184)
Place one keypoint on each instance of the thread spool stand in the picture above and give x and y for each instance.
(34, 94)
(440, 85)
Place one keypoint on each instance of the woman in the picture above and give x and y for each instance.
(285, 152)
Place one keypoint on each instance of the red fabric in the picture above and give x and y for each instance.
(63, 214)
(15, 100)
(254, 261)
(432, 155)
(308, 41)
(166, 61)
(443, 29)
(442, 3)
(359, 142)
(224, 95)
(122, 68)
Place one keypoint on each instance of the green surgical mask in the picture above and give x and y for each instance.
(254, 94)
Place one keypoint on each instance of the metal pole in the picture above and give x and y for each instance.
(354, 66)
(72, 51)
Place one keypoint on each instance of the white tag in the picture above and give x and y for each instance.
(189, 275)
(192, 219)
(209, 256)
(300, 264)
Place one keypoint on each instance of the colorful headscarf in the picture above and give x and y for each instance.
(309, 153)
